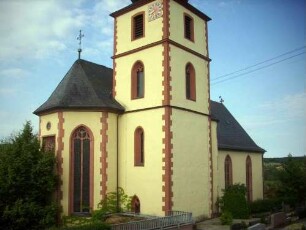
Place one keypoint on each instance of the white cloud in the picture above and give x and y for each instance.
(13, 73)
(289, 107)
(33, 27)
(7, 92)
(287, 110)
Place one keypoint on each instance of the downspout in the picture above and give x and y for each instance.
(117, 179)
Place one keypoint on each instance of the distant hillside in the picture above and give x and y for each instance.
(280, 160)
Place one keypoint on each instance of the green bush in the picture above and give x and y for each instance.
(266, 205)
(234, 201)
(111, 205)
(27, 181)
(90, 226)
(226, 218)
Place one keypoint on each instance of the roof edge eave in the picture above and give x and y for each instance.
(78, 109)
(241, 149)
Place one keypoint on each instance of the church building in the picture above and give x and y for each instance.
(148, 125)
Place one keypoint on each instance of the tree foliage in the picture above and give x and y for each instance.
(292, 179)
(27, 182)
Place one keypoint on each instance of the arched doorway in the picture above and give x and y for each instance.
(81, 174)
(135, 204)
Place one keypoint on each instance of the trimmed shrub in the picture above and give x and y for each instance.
(266, 205)
(226, 218)
(234, 201)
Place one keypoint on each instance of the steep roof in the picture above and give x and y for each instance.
(230, 134)
(86, 86)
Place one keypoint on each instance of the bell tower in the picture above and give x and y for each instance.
(161, 77)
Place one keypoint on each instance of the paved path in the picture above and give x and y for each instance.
(214, 224)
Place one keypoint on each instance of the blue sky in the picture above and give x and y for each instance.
(38, 45)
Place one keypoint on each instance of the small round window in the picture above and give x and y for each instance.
(48, 126)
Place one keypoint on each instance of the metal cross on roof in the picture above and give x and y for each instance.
(221, 100)
(80, 43)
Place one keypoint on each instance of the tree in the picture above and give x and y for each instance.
(27, 182)
(292, 179)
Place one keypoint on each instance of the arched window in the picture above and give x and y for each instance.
(137, 80)
(139, 147)
(135, 204)
(249, 184)
(228, 172)
(190, 82)
(81, 171)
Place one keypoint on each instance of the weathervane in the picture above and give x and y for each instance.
(221, 100)
(80, 43)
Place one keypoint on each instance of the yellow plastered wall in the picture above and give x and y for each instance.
(179, 60)
(112, 153)
(145, 182)
(177, 29)
(53, 119)
(92, 120)
(191, 187)
(153, 31)
(239, 170)
(214, 143)
(152, 61)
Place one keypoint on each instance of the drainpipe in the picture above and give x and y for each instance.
(118, 204)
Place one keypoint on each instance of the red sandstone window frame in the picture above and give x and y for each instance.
(190, 79)
(249, 178)
(188, 27)
(48, 143)
(139, 144)
(137, 85)
(138, 27)
(71, 169)
(228, 171)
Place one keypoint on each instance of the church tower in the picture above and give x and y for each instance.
(161, 78)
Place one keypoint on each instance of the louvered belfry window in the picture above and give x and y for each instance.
(138, 26)
(188, 25)
(81, 170)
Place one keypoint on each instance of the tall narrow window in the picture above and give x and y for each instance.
(249, 183)
(80, 171)
(138, 26)
(137, 80)
(135, 204)
(228, 176)
(139, 147)
(190, 82)
(189, 27)
(48, 144)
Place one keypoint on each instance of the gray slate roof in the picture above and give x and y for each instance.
(86, 86)
(230, 134)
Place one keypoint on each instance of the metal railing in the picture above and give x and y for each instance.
(173, 218)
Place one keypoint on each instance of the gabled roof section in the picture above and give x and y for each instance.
(139, 3)
(86, 86)
(230, 134)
